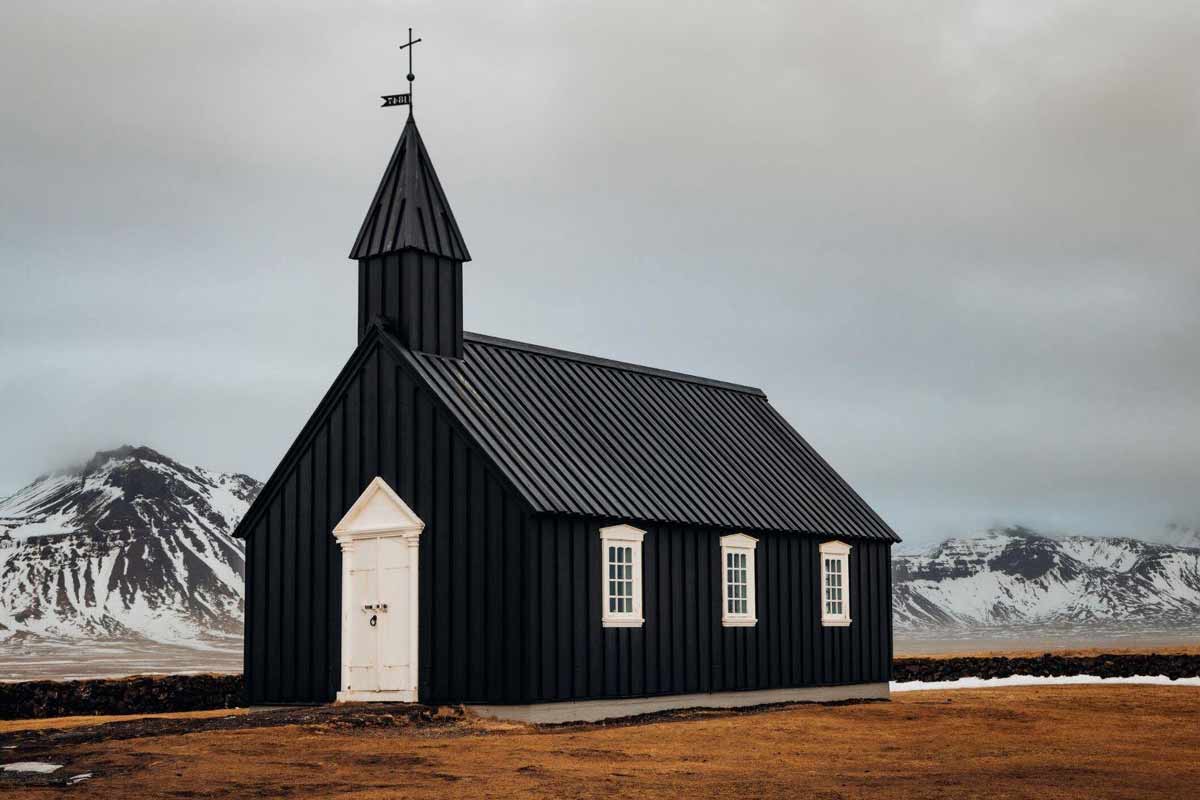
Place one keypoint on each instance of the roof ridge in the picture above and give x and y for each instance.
(553, 352)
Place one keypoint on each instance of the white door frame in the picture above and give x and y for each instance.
(379, 513)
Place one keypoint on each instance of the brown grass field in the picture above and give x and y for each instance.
(1037, 742)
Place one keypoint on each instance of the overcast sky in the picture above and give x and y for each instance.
(955, 242)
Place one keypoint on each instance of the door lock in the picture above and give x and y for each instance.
(374, 618)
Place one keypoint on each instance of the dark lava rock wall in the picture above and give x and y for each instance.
(137, 695)
(160, 694)
(1048, 665)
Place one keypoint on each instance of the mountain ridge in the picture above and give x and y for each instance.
(129, 544)
(1016, 576)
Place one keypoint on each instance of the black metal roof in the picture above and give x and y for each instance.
(410, 209)
(583, 435)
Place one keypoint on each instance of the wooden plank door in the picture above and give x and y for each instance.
(395, 573)
(364, 640)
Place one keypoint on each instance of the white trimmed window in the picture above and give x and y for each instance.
(737, 578)
(835, 584)
(621, 576)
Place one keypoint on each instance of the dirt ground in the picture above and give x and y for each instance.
(1043, 742)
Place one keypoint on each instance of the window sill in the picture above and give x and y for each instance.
(624, 622)
(836, 623)
(739, 623)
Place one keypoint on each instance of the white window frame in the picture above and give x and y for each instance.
(839, 551)
(630, 537)
(739, 544)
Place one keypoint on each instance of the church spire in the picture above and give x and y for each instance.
(410, 210)
(409, 249)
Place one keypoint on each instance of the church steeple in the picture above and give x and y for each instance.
(410, 254)
(410, 209)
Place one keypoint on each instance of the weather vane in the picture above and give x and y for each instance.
(403, 99)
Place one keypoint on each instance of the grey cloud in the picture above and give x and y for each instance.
(956, 242)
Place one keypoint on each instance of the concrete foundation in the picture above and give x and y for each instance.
(596, 710)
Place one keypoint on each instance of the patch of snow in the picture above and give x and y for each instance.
(1118, 555)
(1037, 680)
(80, 778)
(41, 767)
(60, 524)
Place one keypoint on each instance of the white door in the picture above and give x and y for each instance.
(378, 618)
(392, 630)
(379, 537)
(361, 618)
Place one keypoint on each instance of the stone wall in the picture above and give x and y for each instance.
(158, 694)
(136, 695)
(1048, 665)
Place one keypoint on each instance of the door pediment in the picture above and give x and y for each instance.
(378, 510)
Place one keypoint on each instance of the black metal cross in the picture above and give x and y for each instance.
(404, 99)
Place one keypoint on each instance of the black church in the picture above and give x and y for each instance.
(543, 534)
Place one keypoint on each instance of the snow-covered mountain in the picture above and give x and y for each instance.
(1014, 576)
(136, 545)
(130, 545)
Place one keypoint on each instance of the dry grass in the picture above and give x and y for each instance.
(58, 723)
(1044, 742)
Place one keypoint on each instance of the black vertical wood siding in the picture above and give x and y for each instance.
(509, 602)
(420, 296)
(385, 423)
(682, 647)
